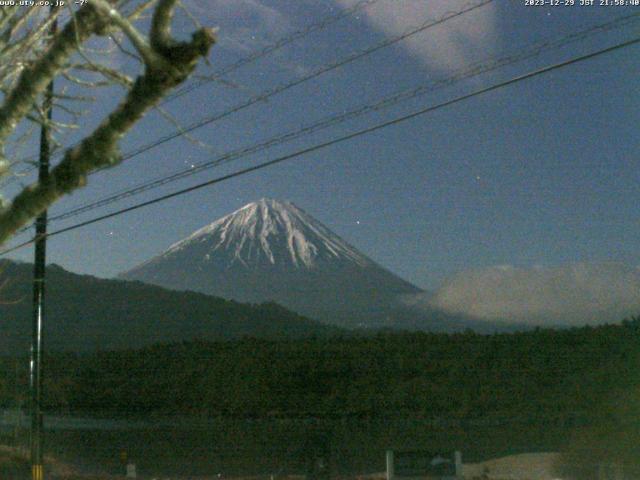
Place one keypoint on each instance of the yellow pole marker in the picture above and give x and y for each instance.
(37, 472)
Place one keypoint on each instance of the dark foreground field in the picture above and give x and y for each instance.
(256, 407)
(238, 448)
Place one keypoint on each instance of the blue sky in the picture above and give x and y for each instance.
(540, 173)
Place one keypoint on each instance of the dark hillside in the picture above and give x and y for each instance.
(86, 313)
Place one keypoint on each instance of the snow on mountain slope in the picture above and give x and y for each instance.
(270, 231)
(274, 251)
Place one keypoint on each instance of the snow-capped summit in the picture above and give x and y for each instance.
(270, 232)
(272, 250)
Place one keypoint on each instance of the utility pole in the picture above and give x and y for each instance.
(35, 364)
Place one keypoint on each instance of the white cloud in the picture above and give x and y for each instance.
(571, 295)
(248, 26)
(245, 25)
(450, 45)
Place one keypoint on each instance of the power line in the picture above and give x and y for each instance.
(271, 48)
(277, 45)
(335, 141)
(283, 87)
(474, 70)
(316, 73)
(286, 86)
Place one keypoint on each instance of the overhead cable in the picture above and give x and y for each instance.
(464, 74)
(335, 141)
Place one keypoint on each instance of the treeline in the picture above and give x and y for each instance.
(577, 390)
(553, 376)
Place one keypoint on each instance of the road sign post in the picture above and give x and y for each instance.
(420, 463)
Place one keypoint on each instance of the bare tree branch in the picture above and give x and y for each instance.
(34, 79)
(136, 38)
(167, 64)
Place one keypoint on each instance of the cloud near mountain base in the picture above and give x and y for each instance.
(575, 294)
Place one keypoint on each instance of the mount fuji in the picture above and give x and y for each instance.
(272, 250)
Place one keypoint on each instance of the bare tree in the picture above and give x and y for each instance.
(31, 57)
